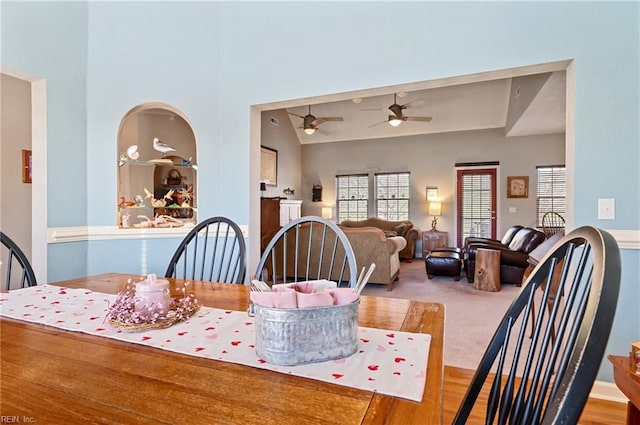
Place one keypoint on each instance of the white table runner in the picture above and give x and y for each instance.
(389, 362)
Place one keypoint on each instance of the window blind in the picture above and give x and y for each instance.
(551, 190)
(392, 195)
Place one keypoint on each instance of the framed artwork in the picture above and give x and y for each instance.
(269, 166)
(518, 187)
(432, 194)
(26, 166)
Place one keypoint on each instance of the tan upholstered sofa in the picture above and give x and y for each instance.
(401, 228)
(369, 244)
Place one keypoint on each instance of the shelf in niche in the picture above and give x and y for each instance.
(154, 162)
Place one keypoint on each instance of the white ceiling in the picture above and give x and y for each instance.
(458, 107)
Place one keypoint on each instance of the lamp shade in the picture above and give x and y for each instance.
(327, 213)
(435, 208)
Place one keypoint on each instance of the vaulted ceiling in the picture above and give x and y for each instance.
(523, 105)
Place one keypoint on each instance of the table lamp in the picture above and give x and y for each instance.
(435, 210)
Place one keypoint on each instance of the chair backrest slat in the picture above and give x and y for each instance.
(14, 255)
(214, 250)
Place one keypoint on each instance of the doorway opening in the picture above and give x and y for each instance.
(38, 212)
(256, 114)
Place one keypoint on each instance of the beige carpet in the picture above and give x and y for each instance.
(471, 315)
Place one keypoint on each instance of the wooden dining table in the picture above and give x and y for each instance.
(50, 376)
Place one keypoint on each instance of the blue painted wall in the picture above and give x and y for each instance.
(212, 60)
(49, 40)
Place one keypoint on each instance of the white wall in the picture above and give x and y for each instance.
(15, 134)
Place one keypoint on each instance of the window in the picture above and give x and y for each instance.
(353, 197)
(392, 196)
(551, 190)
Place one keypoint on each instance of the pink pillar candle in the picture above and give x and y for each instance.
(152, 295)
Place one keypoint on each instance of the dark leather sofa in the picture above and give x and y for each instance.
(513, 256)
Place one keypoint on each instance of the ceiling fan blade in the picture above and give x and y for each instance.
(320, 120)
(323, 132)
(295, 115)
(415, 102)
(422, 119)
(378, 123)
(370, 109)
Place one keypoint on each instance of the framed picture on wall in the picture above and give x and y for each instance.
(26, 166)
(268, 166)
(518, 187)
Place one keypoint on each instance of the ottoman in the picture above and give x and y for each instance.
(444, 262)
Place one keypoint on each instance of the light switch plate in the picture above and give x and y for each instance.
(512, 210)
(607, 209)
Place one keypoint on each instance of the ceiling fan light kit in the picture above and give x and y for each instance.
(396, 116)
(310, 123)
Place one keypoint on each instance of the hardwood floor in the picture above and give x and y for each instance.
(456, 380)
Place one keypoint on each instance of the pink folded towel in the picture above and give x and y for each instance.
(304, 295)
(304, 287)
(317, 299)
(280, 299)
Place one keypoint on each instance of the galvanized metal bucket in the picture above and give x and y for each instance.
(305, 335)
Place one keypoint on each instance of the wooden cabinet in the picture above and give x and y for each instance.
(433, 239)
(269, 220)
(290, 209)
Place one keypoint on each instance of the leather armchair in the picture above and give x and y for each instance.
(506, 238)
(513, 257)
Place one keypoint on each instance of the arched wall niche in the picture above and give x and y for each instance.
(151, 182)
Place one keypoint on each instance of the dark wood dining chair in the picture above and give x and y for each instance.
(545, 380)
(308, 248)
(213, 251)
(552, 223)
(16, 265)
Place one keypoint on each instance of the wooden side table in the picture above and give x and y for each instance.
(487, 273)
(629, 383)
(432, 239)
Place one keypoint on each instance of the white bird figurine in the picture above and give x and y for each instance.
(158, 203)
(169, 195)
(161, 146)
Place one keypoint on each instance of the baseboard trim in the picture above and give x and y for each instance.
(607, 391)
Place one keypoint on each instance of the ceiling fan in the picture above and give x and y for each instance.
(397, 117)
(310, 123)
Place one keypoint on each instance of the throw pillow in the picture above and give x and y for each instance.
(389, 233)
(401, 229)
